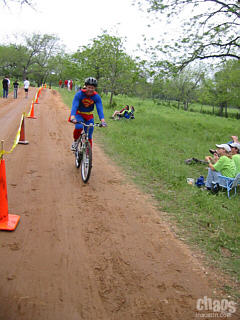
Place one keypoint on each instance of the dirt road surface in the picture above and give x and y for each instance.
(99, 251)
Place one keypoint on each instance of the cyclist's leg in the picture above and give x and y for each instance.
(77, 132)
(90, 133)
(78, 127)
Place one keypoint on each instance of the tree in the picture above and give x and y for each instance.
(211, 31)
(223, 90)
(40, 48)
(30, 58)
(227, 86)
(104, 58)
(181, 87)
(9, 60)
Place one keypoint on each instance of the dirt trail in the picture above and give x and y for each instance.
(95, 251)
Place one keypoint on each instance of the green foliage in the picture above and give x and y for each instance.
(192, 85)
(34, 58)
(104, 58)
(227, 82)
(180, 87)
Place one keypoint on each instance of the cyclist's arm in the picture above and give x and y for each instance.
(99, 107)
(75, 105)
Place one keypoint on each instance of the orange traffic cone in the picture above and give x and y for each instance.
(22, 134)
(32, 112)
(36, 98)
(7, 221)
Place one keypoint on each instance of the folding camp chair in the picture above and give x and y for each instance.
(229, 183)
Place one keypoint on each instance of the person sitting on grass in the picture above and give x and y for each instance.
(129, 114)
(235, 150)
(119, 113)
(221, 164)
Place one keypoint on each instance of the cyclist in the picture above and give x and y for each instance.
(82, 109)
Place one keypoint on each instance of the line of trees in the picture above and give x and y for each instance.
(42, 59)
(220, 91)
(34, 57)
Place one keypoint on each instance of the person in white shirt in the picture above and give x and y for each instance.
(26, 85)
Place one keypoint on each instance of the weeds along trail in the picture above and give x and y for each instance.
(95, 251)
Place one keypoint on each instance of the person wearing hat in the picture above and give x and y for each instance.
(235, 149)
(221, 164)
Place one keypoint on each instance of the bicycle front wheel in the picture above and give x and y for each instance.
(78, 156)
(86, 163)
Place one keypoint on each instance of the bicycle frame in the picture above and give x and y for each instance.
(83, 153)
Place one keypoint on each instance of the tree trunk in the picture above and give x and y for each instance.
(226, 110)
(185, 104)
(111, 99)
(221, 106)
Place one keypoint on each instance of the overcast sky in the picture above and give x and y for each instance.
(77, 21)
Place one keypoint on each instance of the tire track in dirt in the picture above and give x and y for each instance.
(95, 251)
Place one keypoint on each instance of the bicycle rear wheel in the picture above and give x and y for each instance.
(86, 163)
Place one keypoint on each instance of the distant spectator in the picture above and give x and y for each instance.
(119, 113)
(60, 83)
(26, 85)
(5, 84)
(15, 89)
(66, 83)
(71, 85)
(129, 114)
(126, 113)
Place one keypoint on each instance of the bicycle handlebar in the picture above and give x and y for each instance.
(97, 124)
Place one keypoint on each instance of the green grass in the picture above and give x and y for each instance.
(152, 149)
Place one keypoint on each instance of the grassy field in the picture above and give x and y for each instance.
(152, 149)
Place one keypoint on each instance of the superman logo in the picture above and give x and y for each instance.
(87, 102)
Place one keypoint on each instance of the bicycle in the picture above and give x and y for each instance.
(83, 152)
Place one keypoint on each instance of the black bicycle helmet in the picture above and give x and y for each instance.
(91, 82)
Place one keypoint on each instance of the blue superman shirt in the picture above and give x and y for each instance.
(83, 105)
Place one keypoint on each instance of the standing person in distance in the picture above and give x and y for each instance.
(26, 85)
(15, 89)
(5, 84)
(82, 109)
